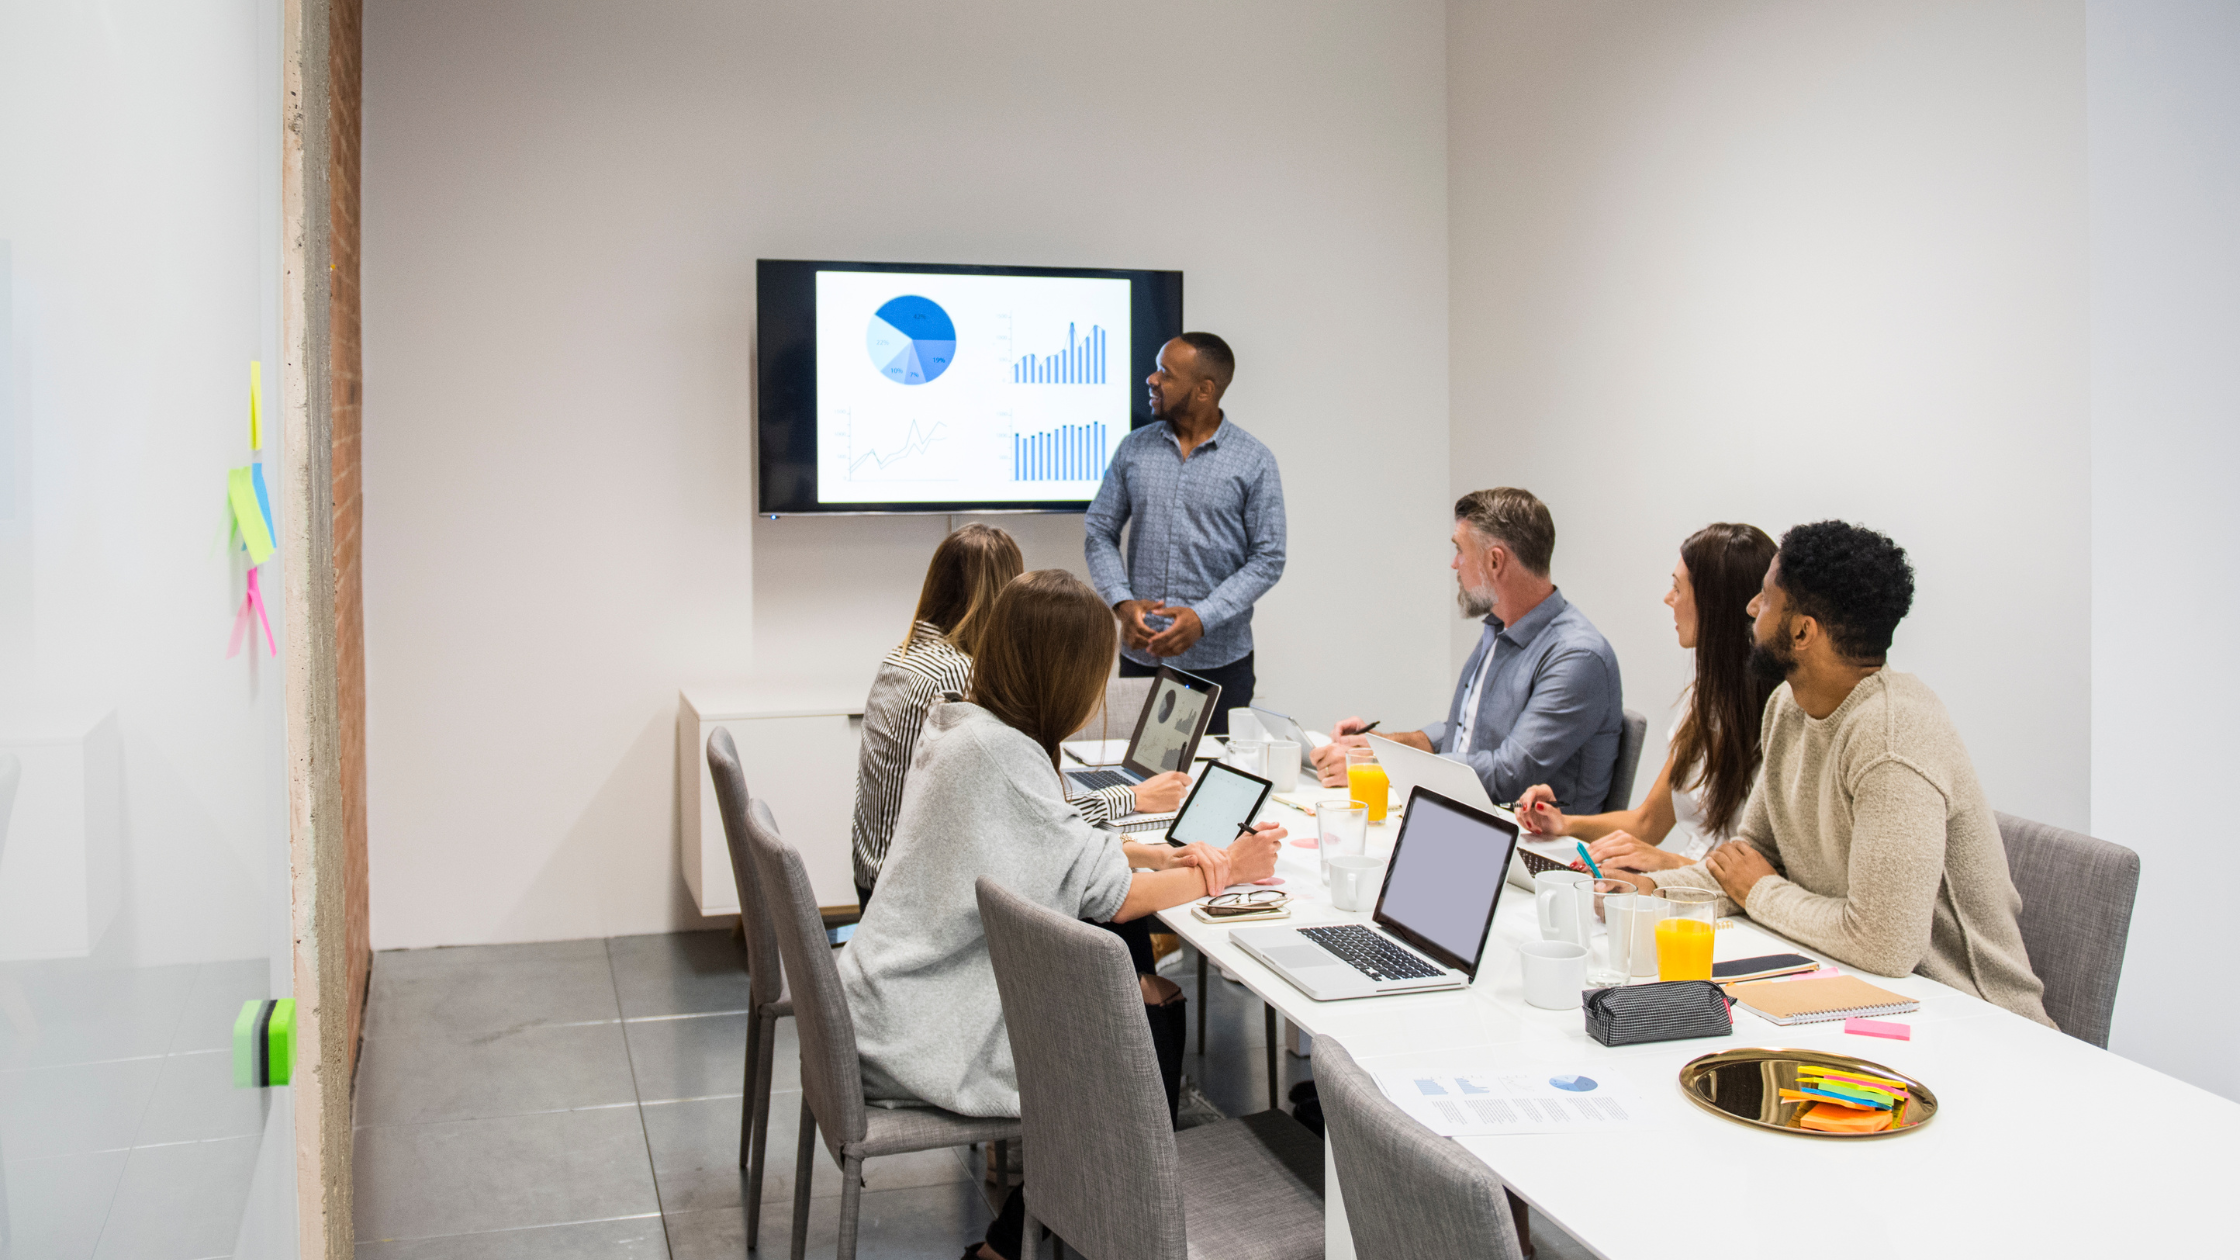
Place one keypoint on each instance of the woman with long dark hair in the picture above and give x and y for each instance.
(1697, 798)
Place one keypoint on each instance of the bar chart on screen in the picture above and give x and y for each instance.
(1082, 362)
(1069, 452)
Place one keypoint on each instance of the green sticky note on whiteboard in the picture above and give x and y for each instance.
(248, 515)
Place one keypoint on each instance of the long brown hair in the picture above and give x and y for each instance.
(1726, 566)
(1042, 662)
(970, 567)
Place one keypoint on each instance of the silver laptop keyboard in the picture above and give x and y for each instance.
(1371, 954)
(1099, 780)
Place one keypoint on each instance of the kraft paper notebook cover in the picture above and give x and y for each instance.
(1812, 1001)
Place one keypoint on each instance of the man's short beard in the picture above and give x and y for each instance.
(1771, 664)
(1475, 603)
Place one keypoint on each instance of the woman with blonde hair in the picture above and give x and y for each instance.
(969, 568)
(985, 797)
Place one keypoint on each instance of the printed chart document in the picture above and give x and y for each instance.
(1546, 1099)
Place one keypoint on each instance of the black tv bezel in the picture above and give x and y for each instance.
(785, 419)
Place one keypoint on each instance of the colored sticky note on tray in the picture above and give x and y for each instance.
(1828, 1117)
(248, 517)
(1879, 1028)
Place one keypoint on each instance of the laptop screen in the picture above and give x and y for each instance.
(1167, 736)
(1448, 864)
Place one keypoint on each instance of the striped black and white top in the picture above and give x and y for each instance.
(911, 680)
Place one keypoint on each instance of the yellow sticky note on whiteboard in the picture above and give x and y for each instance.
(248, 517)
(256, 405)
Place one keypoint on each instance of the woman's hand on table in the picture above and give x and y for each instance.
(1161, 792)
(1253, 857)
(1537, 813)
(1626, 853)
(1212, 865)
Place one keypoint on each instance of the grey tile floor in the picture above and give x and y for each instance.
(582, 1098)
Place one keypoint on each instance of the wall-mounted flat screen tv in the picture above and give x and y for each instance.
(919, 387)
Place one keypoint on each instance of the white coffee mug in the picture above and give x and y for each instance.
(1355, 882)
(1559, 913)
(1554, 973)
(1283, 764)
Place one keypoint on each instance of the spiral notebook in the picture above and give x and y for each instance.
(1814, 1001)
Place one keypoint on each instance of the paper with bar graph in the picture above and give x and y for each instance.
(936, 387)
(1476, 1096)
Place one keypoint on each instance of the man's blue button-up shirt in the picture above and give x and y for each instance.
(1208, 534)
(1550, 710)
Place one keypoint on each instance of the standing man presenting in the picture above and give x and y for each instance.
(1208, 536)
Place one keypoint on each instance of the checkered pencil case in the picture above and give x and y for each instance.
(1671, 1011)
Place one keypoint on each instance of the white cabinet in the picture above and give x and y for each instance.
(798, 749)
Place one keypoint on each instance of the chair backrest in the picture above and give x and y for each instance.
(2077, 894)
(1116, 717)
(1092, 1112)
(1631, 736)
(766, 982)
(831, 1078)
(1408, 1191)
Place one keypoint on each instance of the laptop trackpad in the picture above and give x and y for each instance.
(1298, 957)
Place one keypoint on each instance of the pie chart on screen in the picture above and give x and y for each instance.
(911, 340)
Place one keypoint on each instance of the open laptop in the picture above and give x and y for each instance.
(1175, 713)
(1281, 726)
(1411, 768)
(1432, 917)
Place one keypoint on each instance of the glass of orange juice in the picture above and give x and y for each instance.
(1367, 781)
(1684, 932)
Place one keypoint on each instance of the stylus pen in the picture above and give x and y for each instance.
(1370, 727)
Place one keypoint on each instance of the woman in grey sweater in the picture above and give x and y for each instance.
(969, 569)
(984, 797)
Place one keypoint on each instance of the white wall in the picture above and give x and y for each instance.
(563, 205)
(1777, 262)
(140, 229)
(2164, 107)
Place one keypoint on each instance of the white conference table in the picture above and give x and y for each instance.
(2043, 1145)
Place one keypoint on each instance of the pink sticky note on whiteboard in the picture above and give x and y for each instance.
(1878, 1028)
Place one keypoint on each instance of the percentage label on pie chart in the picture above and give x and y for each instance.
(911, 340)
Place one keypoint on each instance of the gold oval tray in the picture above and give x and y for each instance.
(1745, 1086)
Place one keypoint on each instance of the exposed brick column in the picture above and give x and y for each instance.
(346, 26)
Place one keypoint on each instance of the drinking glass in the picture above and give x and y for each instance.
(1249, 755)
(1604, 904)
(1342, 828)
(1684, 932)
(1244, 724)
(1368, 781)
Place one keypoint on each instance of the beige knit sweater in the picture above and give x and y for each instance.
(1888, 855)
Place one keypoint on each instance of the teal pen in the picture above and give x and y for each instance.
(1588, 858)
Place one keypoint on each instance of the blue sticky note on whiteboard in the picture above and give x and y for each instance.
(264, 499)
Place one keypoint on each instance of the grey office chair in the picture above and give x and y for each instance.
(1105, 1169)
(2077, 894)
(767, 1000)
(1630, 738)
(1408, 1191)
(831, 1078)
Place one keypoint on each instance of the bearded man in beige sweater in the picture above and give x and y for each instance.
(1867, 836)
